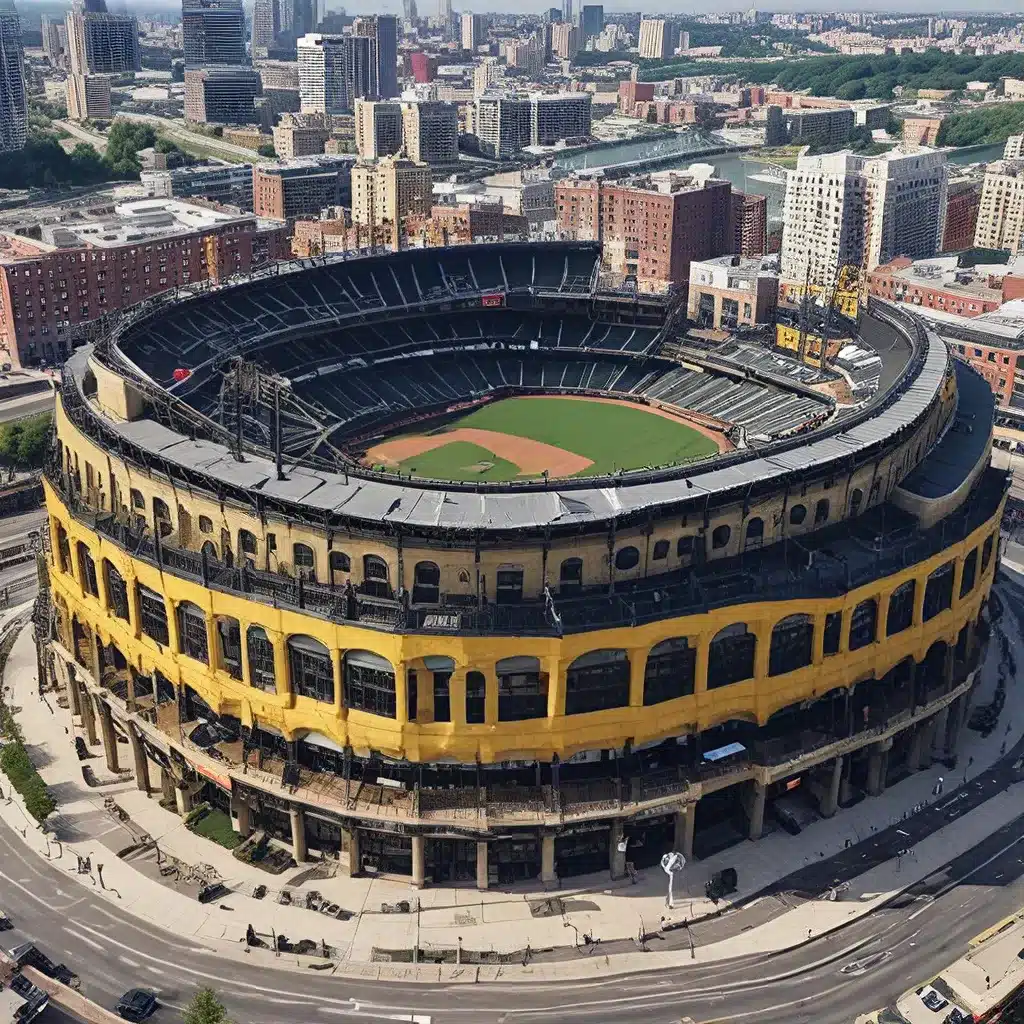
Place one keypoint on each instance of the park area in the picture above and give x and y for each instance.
(522, 438)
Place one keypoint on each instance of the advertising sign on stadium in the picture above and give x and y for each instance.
(494, 299)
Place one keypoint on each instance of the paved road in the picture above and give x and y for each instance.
(26, 405)
(180, 134)
(76, 131)
(924, 932)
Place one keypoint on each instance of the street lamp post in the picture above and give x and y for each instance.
(672, 863)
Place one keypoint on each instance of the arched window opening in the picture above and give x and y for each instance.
(369, 683)
(570, 576)
(261, 659)
(731, 656)
(304, 561)
(720, 537)
(938, 591)
(441, 668)
(821, 511)
(192, 632)
(797, 514)
(597, 681)
(153, 613)
(426, 586)
(856, 500)
(901, 608)
(660, 550)
(87, 571)
(117, 590)
(792, 644)
(755, 532)
(670, 671)
(970, 573)
(311, 671)
(229, 638)
(375, 577)
(863, 624)
(476, 698)
(522, 690)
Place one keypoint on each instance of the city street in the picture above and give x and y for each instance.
(923, 930)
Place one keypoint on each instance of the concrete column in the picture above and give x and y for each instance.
(74, 702)
(483, 878)
(877, 763)
(548, 872)
(927, 730)
(167, 788)
(88, 715)
(683, 840)
(183, 799)
(916, 744)
(141, 760)
(419, 868)
(95, 659)
(756, 824)
(830, 797)
(354, 859)
(955, 723)
(241, 819)
(298, 818)
(941, 721)
(616, 858)
(109, 736)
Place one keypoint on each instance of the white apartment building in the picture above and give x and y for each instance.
(385, 191)
(379, 129)
(431, 131)
(322, 83)
(472, 31)
(1000, 223)
(655, 38)
(842, 209)
(501, 124)
(565, 40)
(1014, 148)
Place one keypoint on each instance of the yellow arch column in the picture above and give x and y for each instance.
(281, 679)
(457, 695)
(401, 693)
(958, 576)
(637, 668)
(700, 663)
(173, 636)
(556, 685)
(337, 670)
(491, 695)
(763, 632)
(883, 615)
(818, 639)
(920, 586)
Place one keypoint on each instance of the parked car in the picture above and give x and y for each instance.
(5, 922)
(932, 999)
(136, 1004)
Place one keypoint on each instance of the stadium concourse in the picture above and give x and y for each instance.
(501, 681)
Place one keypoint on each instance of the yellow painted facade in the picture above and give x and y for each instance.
(422, 740)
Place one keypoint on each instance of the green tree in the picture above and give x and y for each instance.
(267, 150)
(205, 1008)
(23, 442)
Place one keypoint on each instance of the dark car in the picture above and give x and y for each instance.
(136, 1004)
(5, 922)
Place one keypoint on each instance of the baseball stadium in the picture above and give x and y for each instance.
(456, 567)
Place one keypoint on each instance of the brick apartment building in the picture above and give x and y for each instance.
(653, 226)
(302, 187)
(750, 224)
(58, 274)
(962, 202)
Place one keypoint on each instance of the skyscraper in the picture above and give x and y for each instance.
(101, 43)
(842, 209)
(13, 102)
(655, 38)
(335, 71)
(383, 30)
(409, 12)
(567, 11)
(591, 20)
(213, 32)
(472, 31)
(266, 23)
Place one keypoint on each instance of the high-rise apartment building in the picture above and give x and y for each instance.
(431, 131)
(266, 24)
(501, 125)
(102, 44)
(335, 71)
(842, 209)
(591, 20)
(655, 38)
(565, 40)
(472, 31)
(963, 200)
(88, 97)
(55, 41)
(379, 130)
(213, 32)
(505, 124)
(558, 116)
(13, 101)
(1001, 210)
(567, 11)
(526, 54)
(1014, 147)
(221, 94)
(389, 189)
(750, 224)
(383, 30)
(652, 227)
(409, 12)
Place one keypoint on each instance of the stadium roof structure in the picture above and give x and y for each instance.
(190, 444)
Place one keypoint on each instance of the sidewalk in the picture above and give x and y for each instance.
(614, 914)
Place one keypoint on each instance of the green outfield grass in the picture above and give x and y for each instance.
(612, 436)
(460, 460)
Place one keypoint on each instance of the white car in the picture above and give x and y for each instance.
(932, 999)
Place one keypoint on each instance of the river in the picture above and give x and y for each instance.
(690, 145)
